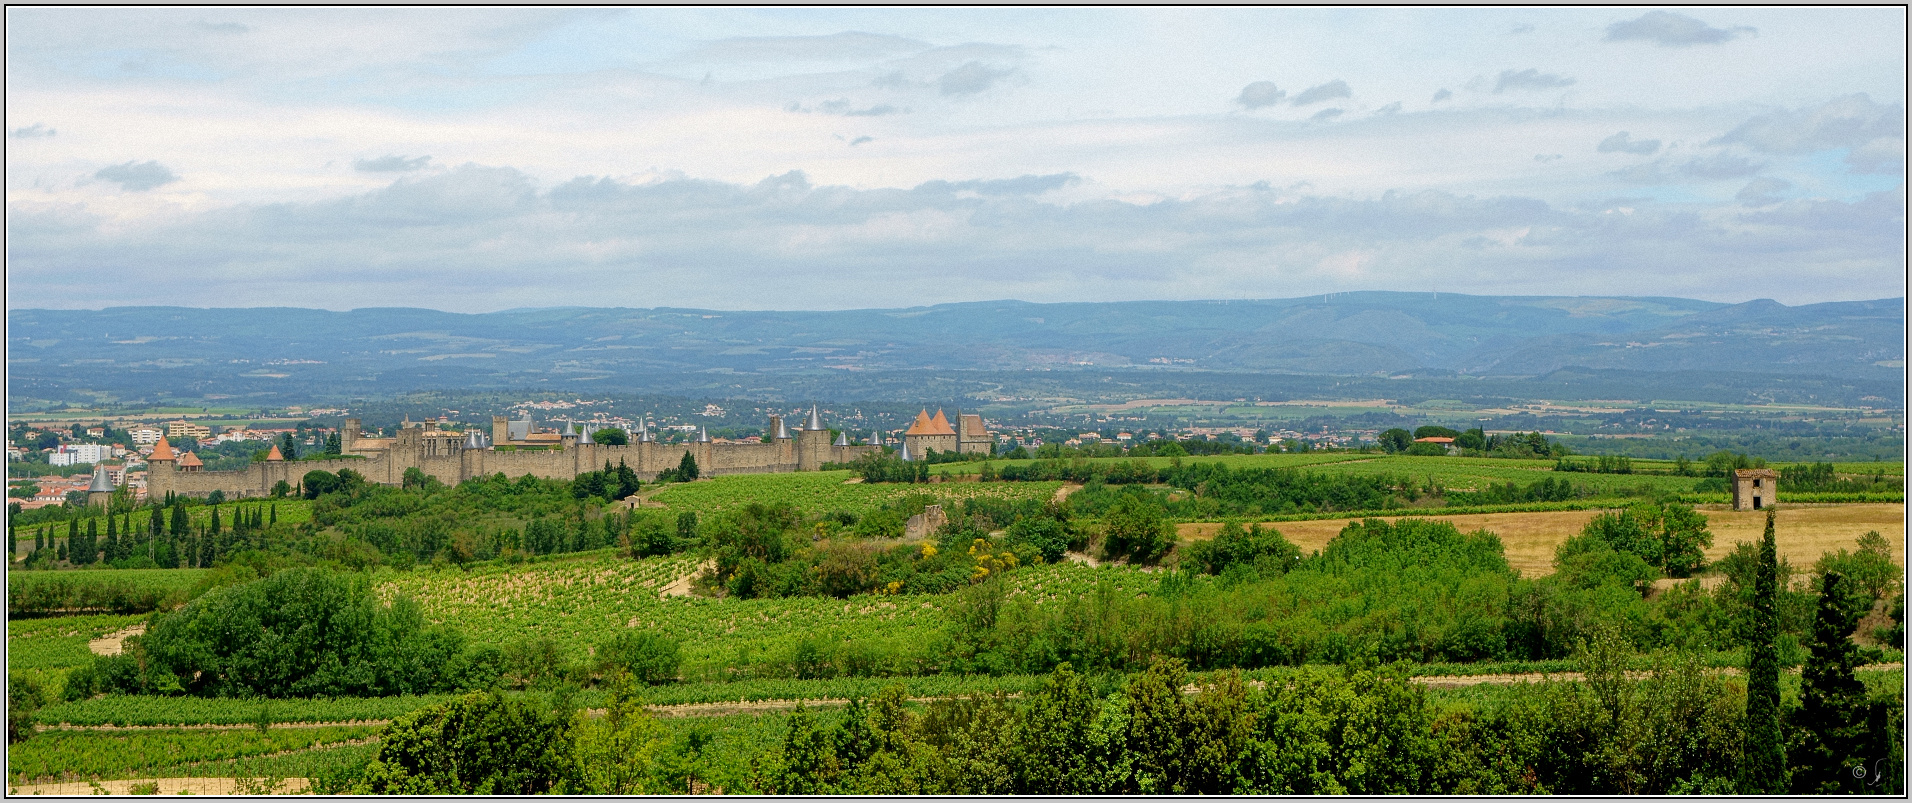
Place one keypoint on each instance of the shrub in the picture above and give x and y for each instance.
(1046, 535)
(1266, 550)
(648, 657)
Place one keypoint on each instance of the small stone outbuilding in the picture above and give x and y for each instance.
(1755, 488)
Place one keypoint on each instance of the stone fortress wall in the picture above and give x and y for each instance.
(446, 456)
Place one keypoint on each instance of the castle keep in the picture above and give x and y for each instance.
(453, 457)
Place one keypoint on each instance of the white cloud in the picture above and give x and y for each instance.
(306, 116)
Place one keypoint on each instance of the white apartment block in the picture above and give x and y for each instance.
(75, 453)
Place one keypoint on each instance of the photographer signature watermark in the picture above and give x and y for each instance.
(1872, 777)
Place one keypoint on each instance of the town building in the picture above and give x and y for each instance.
(72, 454)
(187, 429)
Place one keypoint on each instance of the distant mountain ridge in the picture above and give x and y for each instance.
(1363, 334)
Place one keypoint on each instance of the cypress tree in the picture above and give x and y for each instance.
(687, 468)
(112, 539)
(1764, 767)
(180, 523)
(61, 552)
(208, 550)
(158, 524)
(213, 529)
(275, 513)
(90, 548)
(39, 539)
(1829, 725)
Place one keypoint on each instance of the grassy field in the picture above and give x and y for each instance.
(816, 492)
(1803, 532)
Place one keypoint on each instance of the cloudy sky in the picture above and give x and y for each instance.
(474, 160)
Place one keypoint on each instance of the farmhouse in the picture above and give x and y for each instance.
(1755, 488)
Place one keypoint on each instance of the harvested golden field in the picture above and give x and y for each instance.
(1804, 532)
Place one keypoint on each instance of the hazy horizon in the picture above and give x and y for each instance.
(1324, 296)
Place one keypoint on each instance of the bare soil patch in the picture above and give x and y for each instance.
(1803, 532)
(114, 643)
(680, 587)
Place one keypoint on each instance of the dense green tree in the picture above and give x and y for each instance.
(687, 468)
(1046, 535)
(1396, 440)
(24, 698)
(617, 754)
(288, 448)
(481, 743)
(1763, 770)
(1829, 726)
(301, 632)
(611, 437)
(1136, 529)
(807, 763)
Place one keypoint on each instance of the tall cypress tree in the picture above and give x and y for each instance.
(90, 548)
(1764, 768)
(1829, 725)
(158, 525)
(181, 525)
(112, 539)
